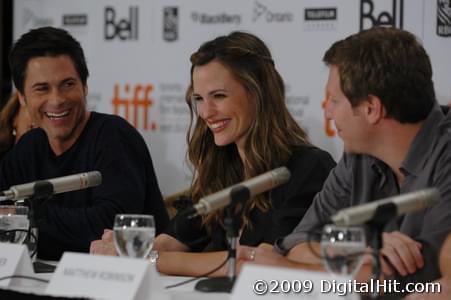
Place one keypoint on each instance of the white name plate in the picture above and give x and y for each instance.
(14, 260)
(256, 281)
(105, 277)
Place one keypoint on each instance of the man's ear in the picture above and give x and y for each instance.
(375, 110)
(21, 99)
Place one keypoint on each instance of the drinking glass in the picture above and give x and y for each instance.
(342, 249)
(14, 223)
(133, 235)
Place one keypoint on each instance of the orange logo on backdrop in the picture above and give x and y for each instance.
(328, 124)
(137, 99)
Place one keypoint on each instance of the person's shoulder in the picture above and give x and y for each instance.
(112, 129)
(311, 154)
(442, 148)
(445, 130)
(32, 137)
(442, 144)
(359, 165)
(110, 121)
(32, 142)
(114, 126)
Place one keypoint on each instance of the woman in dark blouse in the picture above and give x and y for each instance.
(240, 128)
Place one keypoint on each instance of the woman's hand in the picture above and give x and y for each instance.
(105, 246)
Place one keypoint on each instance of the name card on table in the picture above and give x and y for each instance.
(106, 277)
(256, 281)
(14, 260)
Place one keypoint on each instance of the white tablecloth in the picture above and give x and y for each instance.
(184, 292)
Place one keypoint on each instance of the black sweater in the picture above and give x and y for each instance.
(70, 221)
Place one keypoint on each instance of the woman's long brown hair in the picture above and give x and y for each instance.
(271, 136)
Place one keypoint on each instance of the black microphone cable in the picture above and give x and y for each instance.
(24, 277)
(6, 234)
(185, 214)
(199, 276)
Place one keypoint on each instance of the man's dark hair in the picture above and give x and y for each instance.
(388, 63)
(41, 42)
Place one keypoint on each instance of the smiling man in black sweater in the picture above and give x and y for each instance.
(50, 74)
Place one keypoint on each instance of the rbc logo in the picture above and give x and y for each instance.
(124, 29)
(170, 23)
(385, 18)
(444, 18)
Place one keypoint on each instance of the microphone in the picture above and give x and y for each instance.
(53, 186)
(242, 191)
(385, 209)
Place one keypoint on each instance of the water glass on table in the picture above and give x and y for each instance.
(14, 223)
(342, 249)
(133, 235)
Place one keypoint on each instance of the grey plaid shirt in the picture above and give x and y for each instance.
(359, 179)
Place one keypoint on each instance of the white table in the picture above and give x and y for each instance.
(184, 292)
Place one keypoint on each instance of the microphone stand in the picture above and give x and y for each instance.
(238, 195)
(382, 216)
(43, 190)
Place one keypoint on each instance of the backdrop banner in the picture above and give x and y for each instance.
(138, 55)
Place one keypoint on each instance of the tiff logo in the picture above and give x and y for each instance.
(385, 18)
(136, 99)
(124, 29)
(328, 124)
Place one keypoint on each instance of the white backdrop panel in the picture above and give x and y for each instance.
(138, 55)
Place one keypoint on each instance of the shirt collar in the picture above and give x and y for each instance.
(381, 169)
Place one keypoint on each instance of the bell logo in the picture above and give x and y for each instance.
(124, 29)
(385, 18)
(137, 100)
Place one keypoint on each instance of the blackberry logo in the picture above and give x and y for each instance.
(220, 18)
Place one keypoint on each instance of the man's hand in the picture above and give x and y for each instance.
(402, 252)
